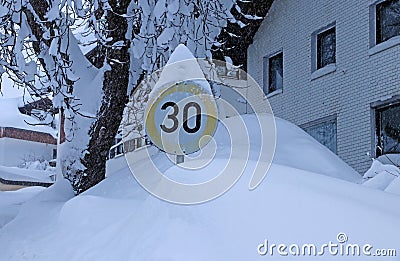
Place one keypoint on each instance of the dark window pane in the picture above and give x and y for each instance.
(275, 74)
(326, 48)
(388, 130)
(387, 20)
(325, 133)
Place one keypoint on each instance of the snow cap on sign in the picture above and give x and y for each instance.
(181, 66)
(181, 53)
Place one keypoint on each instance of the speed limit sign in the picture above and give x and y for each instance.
(182, 118)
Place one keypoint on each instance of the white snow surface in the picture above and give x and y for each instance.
(181, 53)
(20, 174)
(383, 174)
(11, 201)
(296, 149)
(10, 116)
(119, 220)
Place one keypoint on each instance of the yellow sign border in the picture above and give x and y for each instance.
(188, 87)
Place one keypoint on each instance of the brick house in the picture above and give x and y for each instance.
(333, 68)
(21, 135)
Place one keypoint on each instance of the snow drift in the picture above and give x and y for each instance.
(118, 220)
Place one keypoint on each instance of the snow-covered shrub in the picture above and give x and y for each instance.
(35, 163)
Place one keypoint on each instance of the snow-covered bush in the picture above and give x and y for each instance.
(35, 163)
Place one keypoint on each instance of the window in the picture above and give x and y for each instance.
(387, 20)
(273, 73)
(388, 129)
(324, 131)
(326, 48)
(323, 51)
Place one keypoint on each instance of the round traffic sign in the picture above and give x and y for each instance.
(181, 118)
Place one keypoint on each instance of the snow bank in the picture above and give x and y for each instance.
(30, 175)
(295, 148)
(118, 220)
(11, 201)
(383, 176)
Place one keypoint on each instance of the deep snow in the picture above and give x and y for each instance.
(118, 220)
(20, 174)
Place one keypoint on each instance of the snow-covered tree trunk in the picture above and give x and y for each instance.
(115, 84)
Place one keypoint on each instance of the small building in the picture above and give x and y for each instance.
(333, 68)
(23, 135)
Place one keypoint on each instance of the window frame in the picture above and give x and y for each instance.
(374, 46)
(266, 73)
(315, 52)
(376, 107)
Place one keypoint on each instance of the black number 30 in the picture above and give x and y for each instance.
(185, 117)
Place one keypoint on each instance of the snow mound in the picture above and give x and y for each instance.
(383, 176)
(394, 187)
(11, 201)
(297, 149)
(294, 148)
(29, 175)
(118, 220)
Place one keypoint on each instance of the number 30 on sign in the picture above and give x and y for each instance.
(182, 118)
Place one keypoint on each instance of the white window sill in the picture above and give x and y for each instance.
(330, 68)
(276, 92)
(385, 45)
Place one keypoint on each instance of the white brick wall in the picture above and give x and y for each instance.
(359, 79)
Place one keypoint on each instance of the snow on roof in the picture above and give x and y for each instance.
(10, 116)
